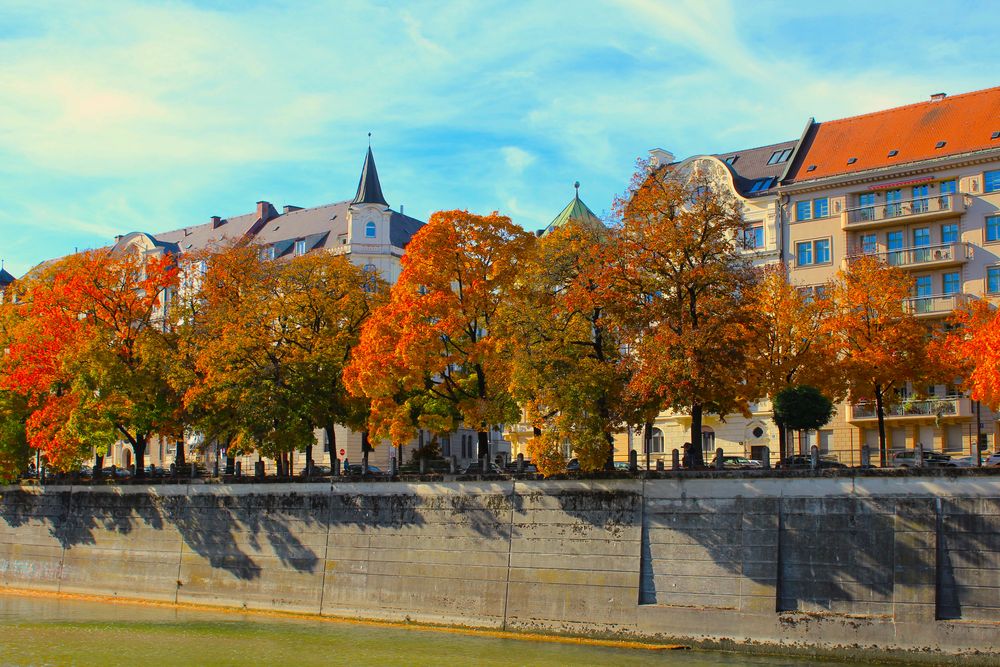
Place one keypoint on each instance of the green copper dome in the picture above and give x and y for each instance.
(575, 210)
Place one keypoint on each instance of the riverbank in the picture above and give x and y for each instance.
(849, 566)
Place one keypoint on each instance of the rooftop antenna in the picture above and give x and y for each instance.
(577, 186)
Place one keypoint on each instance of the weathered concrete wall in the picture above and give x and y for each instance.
(906, 563)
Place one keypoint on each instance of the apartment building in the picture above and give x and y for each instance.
(919, 186)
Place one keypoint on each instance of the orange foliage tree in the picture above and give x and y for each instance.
(972, 347)
(269, 340)
(788, 343)
(91, 352)
(880, 345)
(568, 374)
(676, 276)
(432, 353)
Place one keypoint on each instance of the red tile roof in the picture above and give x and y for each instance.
(964, 123)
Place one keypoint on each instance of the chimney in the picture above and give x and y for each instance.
(288, 208)
(937, 97)
(659, 157)
(216, 222)
(265, 211)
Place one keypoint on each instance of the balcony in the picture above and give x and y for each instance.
(946, 408)
(926, 257)
(897, 213)
(935, 305)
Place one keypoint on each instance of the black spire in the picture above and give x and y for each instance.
(369, 189)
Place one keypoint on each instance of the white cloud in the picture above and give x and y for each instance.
(516, 158)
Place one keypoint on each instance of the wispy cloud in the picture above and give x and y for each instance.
(127, 115)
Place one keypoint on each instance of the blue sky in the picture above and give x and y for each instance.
(123, 116)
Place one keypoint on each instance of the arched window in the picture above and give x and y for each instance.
(369, 230)
(656, 441)
(371, 277)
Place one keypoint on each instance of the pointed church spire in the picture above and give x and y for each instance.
(369, 189)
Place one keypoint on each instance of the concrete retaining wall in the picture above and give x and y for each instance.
(901, 563)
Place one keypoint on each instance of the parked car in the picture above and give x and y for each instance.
(621, 465)
(908, 459)
(356, 469)
(964, 462)
(116, 472)
(154, 471)
(529, 467)
(802, 462)
(739, 463)
(992, 460)
(573, 465)
(476, 469)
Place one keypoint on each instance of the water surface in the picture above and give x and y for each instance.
(53, 631)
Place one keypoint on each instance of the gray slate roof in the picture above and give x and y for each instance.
(320, 227)
(751, 165)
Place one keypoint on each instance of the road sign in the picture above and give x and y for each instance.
(343, 451)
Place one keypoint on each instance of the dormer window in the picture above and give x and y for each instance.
(777, 157)
(267, 253)
(370, 230)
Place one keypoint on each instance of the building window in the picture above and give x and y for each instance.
(812, 252)
(820, 292)
(731, 159)
(991, 181)
(822, 251)
(993, 280)
(777, 157)
(370, 230)
(300, 247)
(923, 286)
(866, 204)
(803, 210)
(993, 228)
(920, 203)
(761, 184)
(952, 283)
(893, 207)
(816, 208)
(948, 187)
(754, 237)
(804, 253)
(949, 233)
(869, 244)
(267, 253)
(656, 441)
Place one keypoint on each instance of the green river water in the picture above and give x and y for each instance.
(49, 631)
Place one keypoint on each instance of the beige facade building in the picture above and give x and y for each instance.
(917, 185)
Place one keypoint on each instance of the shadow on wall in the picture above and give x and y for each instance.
(207, 524)
(835, 554)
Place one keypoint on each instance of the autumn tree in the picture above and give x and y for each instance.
(880, 345)
(432, 352)
(678, 272)
(788, 345)
(269, 340)
(972, 348)
(568, 374)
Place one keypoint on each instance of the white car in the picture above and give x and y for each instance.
(993, 460)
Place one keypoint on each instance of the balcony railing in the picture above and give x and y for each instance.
(935, 305)
(939, 406)
(947, 204)
(945, 253)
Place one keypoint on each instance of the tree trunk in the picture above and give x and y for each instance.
(98, 466)
(139, 448)
(883, 454)
(782, 441)
(484, 445)
(279, 465)
(179, 459)
(365, 448)
(697, 456)
(230, 459)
